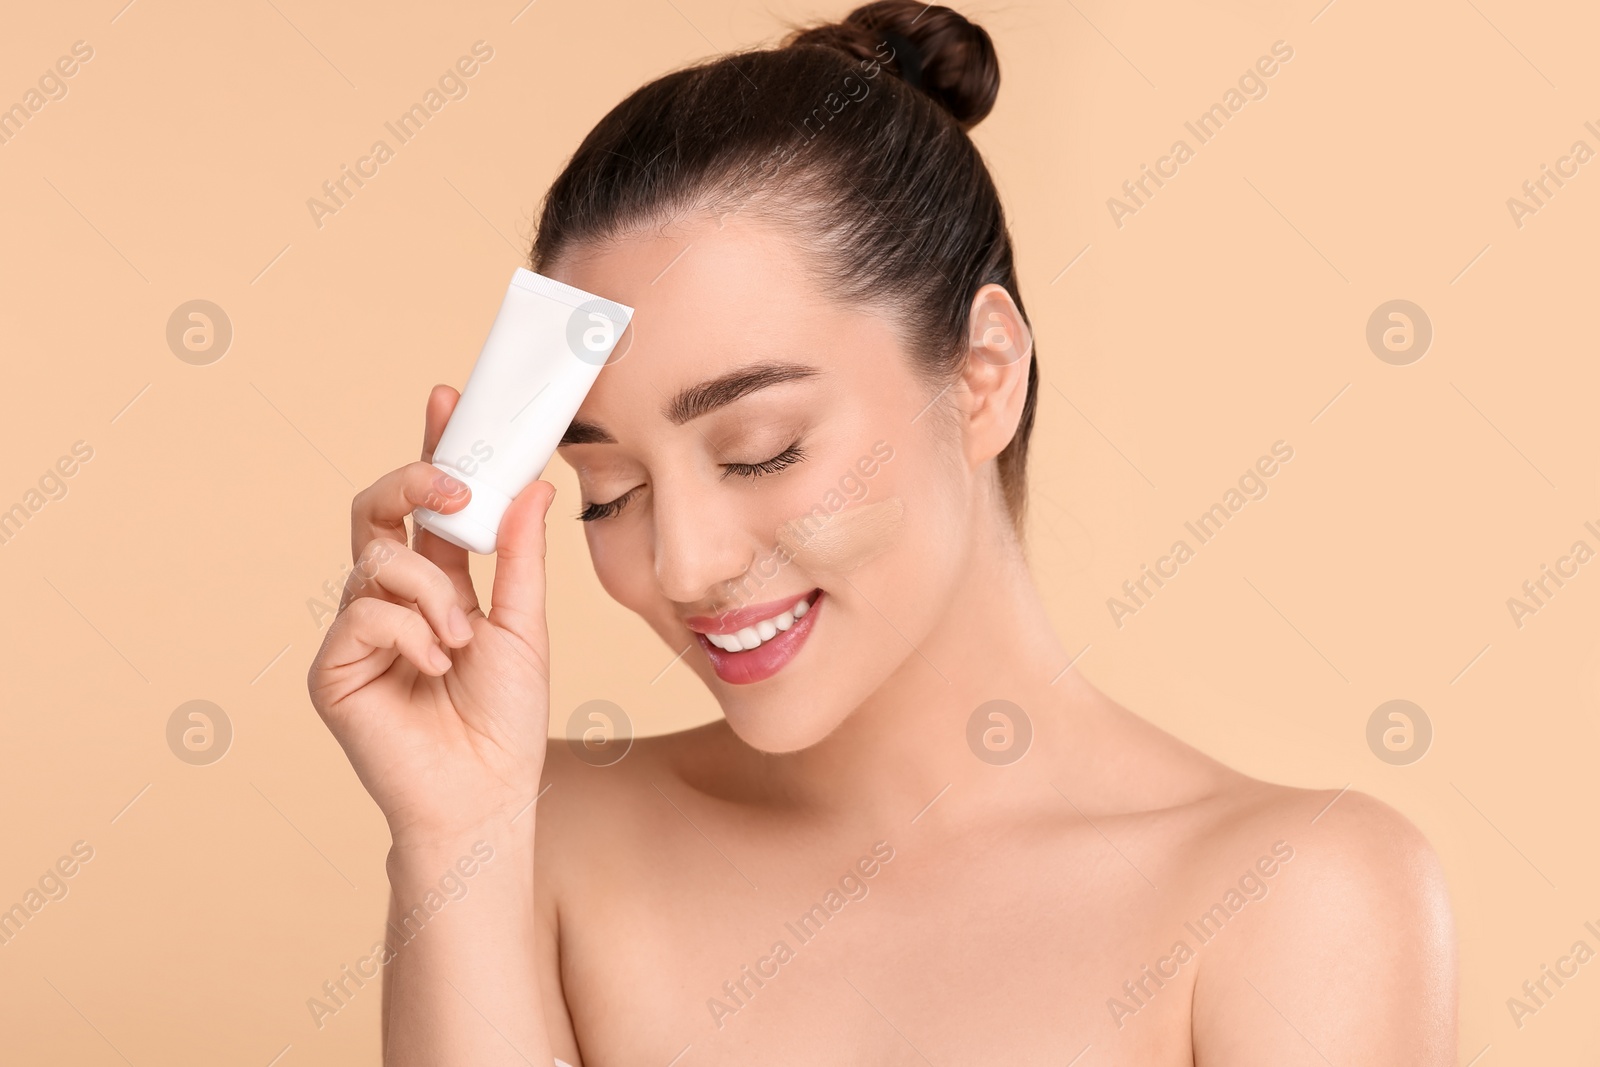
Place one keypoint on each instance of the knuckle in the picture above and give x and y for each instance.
(364, 612)
(415, 628)
(440, 586)
(374, 554)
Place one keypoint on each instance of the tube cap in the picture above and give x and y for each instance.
(476, 526)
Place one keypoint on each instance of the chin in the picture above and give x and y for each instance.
(791, 711)
(779, 723)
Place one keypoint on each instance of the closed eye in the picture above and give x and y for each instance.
(595, 512)
(788, 457)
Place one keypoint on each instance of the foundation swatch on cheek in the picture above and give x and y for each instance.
(843, 540)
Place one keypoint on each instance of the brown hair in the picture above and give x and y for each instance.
(891, 197)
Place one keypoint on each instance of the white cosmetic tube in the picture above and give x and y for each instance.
(544, 351)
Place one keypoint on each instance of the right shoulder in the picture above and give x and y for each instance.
(601, 829)
(594, 799)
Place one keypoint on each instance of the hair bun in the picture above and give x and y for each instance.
(954, 60)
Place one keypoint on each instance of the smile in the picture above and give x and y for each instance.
(754, 643)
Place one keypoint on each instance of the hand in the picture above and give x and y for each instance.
(445, 741)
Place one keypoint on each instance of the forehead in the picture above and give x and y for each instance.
(709, 296)
(700, 260)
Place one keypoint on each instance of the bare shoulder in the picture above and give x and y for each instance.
(1329, 933)
(1315, 923)
(1207, 815)
(619, 793)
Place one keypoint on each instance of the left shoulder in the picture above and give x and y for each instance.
(1351, 949)
(1362, 844)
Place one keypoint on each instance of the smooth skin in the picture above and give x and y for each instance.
(1018, 898)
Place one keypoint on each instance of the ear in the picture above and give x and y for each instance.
(999, 352)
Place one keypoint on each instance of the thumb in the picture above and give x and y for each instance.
(518, 596)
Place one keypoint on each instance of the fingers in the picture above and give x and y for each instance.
(388, 570)
(518, 600)
(441, 402)
(369, 625)
(381, 508)
(451, 558)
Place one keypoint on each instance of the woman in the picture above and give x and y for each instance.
(917, 836)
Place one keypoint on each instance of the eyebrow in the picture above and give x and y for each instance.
(585, 433)
(704, 398)
(708, 396)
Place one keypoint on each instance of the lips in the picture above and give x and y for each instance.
(757, 664)
(730, 621)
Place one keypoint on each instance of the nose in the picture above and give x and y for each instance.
(701, 547)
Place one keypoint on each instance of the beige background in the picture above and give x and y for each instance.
(1228, 313)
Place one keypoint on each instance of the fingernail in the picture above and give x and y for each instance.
(447, 485)
(440, 661)
(460, 628)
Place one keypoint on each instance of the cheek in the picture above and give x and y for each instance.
(841, 542)
(913, 565)
(923, 552)
(622, 564)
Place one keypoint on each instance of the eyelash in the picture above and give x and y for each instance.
(596, 512)
(787, 458)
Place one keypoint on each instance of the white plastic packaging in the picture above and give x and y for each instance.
(544, 351)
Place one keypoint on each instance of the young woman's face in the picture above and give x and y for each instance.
(757, 446)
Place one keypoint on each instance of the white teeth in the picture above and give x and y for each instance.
(755, 635)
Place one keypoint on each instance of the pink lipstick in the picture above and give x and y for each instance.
(754, 643)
